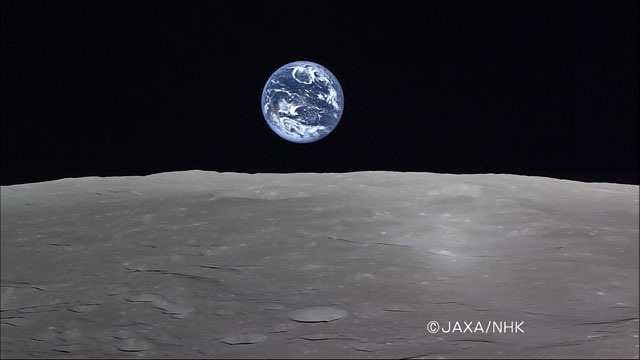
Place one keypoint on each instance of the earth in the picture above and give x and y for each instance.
(302, 102)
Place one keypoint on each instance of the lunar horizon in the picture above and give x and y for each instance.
(342, 265)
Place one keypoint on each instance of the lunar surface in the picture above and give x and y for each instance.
(353, 265)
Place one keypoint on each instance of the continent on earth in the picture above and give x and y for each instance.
(302, 102)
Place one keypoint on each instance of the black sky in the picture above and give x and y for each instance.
(113, 88)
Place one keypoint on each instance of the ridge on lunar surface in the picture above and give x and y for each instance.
(205, 264)
(317, 314)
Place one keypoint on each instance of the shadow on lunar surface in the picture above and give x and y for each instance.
(204, 264)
